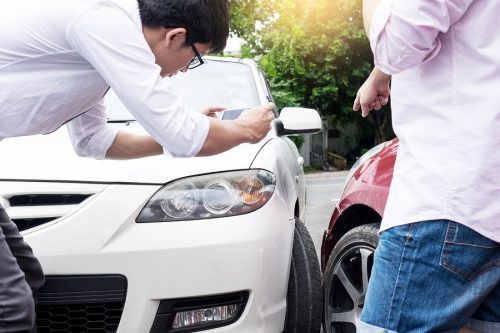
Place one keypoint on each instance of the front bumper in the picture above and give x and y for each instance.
(176, 259)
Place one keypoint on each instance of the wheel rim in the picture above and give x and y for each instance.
(347, 289)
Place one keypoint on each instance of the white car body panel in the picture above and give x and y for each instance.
(100, 236)
(167, 259)
(191, 258)
(51, 157)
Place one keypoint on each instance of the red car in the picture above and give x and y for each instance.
(352, 236)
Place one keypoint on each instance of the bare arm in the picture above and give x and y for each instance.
(251, 127)
(128, 146)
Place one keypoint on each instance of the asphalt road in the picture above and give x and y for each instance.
(323, 193)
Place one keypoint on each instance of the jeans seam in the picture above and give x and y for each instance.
(444, 262)
(469, 277)
(408, 237)
(444, 253)
(473, 245)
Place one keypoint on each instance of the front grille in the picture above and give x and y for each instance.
(79, 318)
(73, 304)
(47, 199)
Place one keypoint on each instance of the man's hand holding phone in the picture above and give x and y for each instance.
(257, 121)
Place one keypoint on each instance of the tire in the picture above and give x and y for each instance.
(305, 292)
(346, 279)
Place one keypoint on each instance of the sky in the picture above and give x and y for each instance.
(233, 44)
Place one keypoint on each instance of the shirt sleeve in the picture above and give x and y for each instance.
(114, 45)
(404, 34)
(90, 134)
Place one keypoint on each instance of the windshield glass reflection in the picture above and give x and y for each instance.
(216, 83)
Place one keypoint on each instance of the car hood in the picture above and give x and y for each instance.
(51, 158)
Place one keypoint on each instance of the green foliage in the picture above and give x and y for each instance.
(315, 53)
(244, 16)
(298, 140)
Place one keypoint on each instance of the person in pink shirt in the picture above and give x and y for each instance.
(437, 265)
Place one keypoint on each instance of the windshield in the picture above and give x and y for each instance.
(216, 83)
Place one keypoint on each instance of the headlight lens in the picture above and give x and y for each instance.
(181, 203)
(210, 196)
(218, 197)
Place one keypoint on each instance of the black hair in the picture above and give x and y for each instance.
(205, 21)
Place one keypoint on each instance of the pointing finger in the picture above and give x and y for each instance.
(357, 104)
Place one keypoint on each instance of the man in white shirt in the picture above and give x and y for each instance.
(437, 265)
(58, 58)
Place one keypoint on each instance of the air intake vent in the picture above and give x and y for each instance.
(93, 304)
(47, 199)
(24, 224)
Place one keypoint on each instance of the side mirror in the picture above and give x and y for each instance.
(296, 121)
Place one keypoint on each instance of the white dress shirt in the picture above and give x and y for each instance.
(59, 57)
(444, 56)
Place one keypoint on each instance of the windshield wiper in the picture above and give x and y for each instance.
(121, 121)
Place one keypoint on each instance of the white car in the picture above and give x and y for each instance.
(166, 244)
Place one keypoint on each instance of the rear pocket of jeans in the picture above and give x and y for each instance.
(468, 254)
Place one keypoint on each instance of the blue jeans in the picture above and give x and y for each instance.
(433, 276)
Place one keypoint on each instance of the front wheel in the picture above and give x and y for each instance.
(346, 279)
(304, 295)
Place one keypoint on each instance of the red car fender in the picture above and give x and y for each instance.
(365, 193)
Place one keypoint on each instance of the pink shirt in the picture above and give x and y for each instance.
(445, 60)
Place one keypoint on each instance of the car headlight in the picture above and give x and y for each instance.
(365, 157)
(209, 196)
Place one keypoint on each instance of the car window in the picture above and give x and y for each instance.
(216, 83)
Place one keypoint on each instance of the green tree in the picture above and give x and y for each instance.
(316, 55)
(246, 15)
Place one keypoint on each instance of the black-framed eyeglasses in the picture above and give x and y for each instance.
(197, 60)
